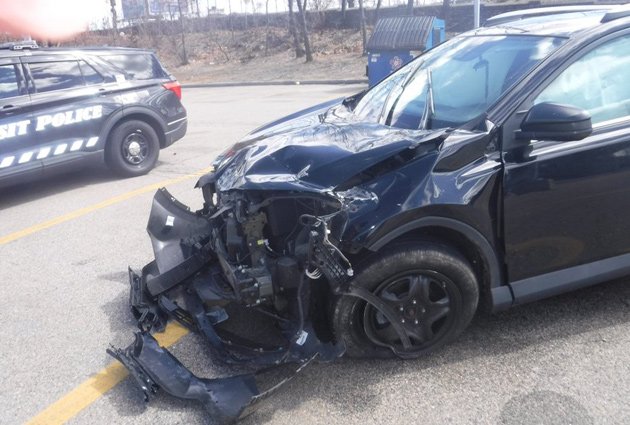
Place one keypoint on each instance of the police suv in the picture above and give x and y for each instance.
(60, 108)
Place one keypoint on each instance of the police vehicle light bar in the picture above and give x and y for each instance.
(20, 45)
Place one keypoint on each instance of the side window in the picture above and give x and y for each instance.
(598, 82)
(137, 66)
(89, 74)
(49, 76)
(8, 82)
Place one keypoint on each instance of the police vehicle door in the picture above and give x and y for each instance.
(16, 143)
(68, 106)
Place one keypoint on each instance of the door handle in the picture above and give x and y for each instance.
(7, 108)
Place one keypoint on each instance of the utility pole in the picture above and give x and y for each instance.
(477, 7)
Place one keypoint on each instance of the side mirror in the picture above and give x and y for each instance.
(555, 121)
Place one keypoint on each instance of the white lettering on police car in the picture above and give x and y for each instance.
(69, 117)
(18, 128)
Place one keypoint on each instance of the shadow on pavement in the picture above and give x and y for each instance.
(54, 185)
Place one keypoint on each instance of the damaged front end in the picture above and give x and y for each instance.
(274, 254)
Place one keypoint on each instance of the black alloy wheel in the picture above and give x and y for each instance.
(422, 303)
(430, 290)
(135, 147)
(132, 149)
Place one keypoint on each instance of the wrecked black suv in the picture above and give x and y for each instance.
(491, 171)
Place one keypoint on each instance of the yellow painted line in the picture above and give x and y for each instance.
(94, 387)
(86, 210)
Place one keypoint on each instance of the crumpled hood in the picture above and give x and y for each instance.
(314, 152)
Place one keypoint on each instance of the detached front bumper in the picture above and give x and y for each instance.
(153, 367)
(190, 282)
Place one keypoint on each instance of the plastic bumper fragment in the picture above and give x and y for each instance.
(154, 367)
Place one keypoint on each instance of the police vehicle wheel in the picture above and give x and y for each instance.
(431, 291)
(132, 149)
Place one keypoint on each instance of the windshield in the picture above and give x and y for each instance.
(461, 79)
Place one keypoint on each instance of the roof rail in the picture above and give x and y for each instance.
(616, 13)
(20, 45)
(544, 11)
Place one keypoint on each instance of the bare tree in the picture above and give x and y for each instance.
(409, 7)
(446, 6)
(362, 25)
(112, 4)
(299, 51)
(267, 34)
(343, 9)
(245, 3)
(181, 21)
(307, 44)
(378, 9)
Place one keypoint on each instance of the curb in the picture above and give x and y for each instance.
(274, 83)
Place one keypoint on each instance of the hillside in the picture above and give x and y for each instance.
(256, 54)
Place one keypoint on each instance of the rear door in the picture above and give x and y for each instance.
(18, 153)
(69, 106)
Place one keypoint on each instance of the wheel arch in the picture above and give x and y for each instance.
(495, 294)
(140, 114)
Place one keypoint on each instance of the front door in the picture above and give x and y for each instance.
(566, 203)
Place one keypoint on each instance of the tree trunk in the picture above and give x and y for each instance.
(299, 51)
(378, 9)
(446, 7)
(350, 4)
(112, 3)
(230, 21)
(304, 29)
(343, 11)
(244, 7)
(362, 25)
(267, 35)
(409, 7)
(181, 21)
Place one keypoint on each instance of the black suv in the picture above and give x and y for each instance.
(59, 108)
(493, 170)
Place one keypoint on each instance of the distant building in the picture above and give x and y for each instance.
(135, 9)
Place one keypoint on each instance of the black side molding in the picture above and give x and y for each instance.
(554, 283)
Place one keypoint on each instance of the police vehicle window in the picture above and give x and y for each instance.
(8, 82)
(599, 82)
(137, 66)
(89, 74)
(51, 76)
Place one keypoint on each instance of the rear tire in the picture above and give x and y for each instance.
(132, 149)
(432, 289)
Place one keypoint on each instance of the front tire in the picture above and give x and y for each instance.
(431, 288)
(132, 149)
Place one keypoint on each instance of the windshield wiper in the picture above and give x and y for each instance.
(429, 106)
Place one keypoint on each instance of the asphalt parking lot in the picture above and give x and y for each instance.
(65, 244)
